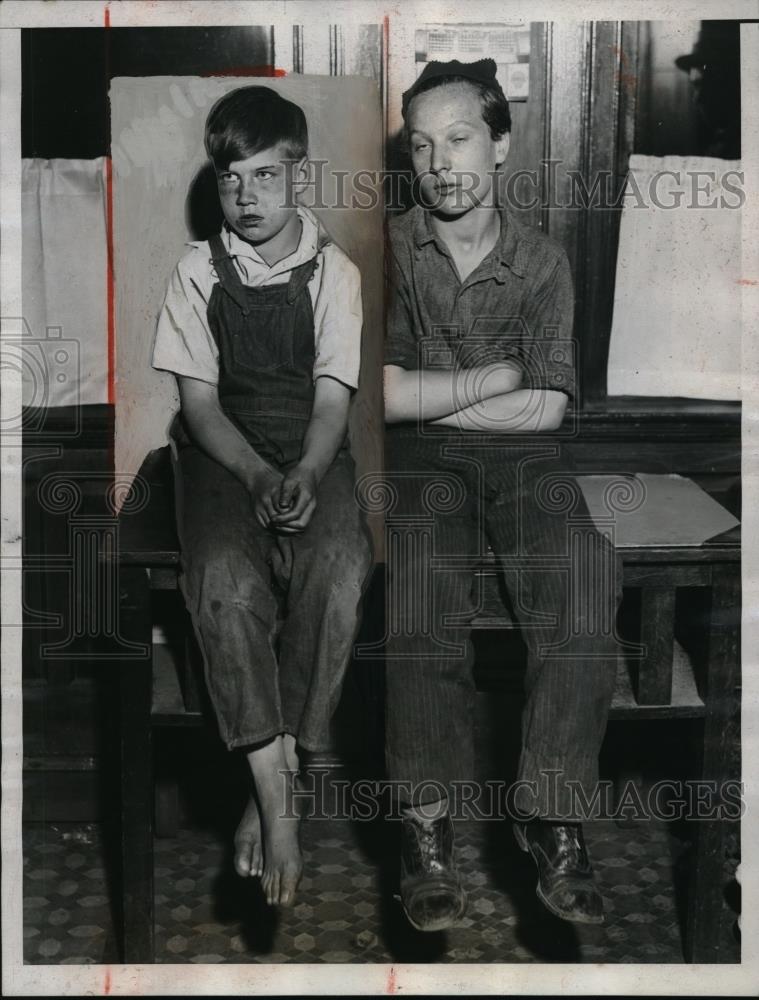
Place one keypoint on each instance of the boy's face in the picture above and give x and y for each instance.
(258, 194)
(452, 150)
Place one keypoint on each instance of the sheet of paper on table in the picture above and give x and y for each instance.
(668, 510)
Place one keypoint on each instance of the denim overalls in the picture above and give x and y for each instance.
(275, 615)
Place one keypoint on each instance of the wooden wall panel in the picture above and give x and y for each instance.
(529, 122)
(600, 232)
(567, 103)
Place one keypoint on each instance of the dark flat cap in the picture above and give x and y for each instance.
(718, 44)
(482, 71)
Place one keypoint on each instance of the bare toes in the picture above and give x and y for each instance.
(243, 856)
(257, 861)
(266, 884)
(272, 895)
(248, 842)
(288, 885)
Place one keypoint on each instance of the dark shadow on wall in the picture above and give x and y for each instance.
(689, 103)
(398, 192)
(202, 208)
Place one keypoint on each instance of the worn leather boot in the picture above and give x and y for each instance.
(566, 884)
(431, 891)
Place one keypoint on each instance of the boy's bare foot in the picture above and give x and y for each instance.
(249, 859)
(274, 776)
(283, 862)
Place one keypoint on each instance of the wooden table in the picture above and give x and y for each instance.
(659, 572)
(148, 559)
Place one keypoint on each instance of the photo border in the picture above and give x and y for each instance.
(254, 979)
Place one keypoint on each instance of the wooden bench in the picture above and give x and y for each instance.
(148, 560)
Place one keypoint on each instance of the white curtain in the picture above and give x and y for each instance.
(64, 275)
(677, 303)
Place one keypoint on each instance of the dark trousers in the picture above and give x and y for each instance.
(451, 497)
(275, 616)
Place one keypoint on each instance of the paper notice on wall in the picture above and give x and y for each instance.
(677, 312)
(507, 44)
(654, 510)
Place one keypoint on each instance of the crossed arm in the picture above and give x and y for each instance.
(486, 399)
(283, 503)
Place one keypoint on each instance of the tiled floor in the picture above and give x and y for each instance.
(345, 910)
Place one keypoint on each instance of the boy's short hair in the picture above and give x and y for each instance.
(481, 75)
(250, 119)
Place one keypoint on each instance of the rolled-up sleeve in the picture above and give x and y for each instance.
(549, 351)
(184, 343)
(338, 319)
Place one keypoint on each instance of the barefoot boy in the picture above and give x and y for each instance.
(478, 373)
(261, 326)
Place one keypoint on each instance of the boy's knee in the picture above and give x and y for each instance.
(223, 577)
(349, 565)
(360, 556)
(344, 541)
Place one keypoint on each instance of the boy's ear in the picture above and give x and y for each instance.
(502, 148)
(301, 174)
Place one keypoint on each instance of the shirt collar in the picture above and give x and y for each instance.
(510, 250)
(311, 239)
(306, 249)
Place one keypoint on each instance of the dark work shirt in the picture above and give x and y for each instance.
(517, 305)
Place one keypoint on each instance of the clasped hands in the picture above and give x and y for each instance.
(284, 503)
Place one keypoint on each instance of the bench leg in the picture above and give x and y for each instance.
(166, 800)
(135, 690)
(657, 615)
(708, 915)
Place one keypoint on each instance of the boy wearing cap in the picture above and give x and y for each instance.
(476, 302)
(262, 327)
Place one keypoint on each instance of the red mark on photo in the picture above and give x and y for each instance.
(623, 78)
(270, 71)
(110, 297)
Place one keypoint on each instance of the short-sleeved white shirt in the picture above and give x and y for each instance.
(184, 343)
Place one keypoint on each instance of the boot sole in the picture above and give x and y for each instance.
(435, 925)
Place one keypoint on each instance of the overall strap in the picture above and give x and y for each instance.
(299, 278)
(229, 279)
(302, 274)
